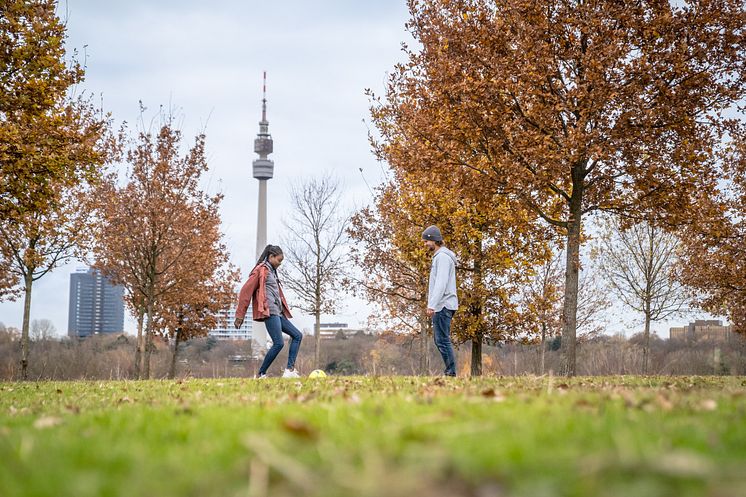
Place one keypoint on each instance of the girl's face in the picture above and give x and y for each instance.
(275, 260)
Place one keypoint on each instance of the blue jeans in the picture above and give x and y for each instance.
(276, 326)
(442, 335)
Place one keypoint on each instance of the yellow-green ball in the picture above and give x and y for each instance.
(317, 373)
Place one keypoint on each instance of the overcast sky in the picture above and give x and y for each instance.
(206, 59)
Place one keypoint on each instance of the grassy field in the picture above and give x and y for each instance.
(387, 436)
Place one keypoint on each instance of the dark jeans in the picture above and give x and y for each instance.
(442, 335)
(276, 326)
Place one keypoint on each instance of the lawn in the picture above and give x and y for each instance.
(383, 436)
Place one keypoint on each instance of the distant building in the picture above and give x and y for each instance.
(96, 306)
(701, 329)
(330, 331)
(225, 329)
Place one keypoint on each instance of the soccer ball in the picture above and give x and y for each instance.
(317, 373)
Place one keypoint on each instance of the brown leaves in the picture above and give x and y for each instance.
(48, 139)
(559, 110)
(490, 393)
(714, 247)
(299, 428)
(159, 236)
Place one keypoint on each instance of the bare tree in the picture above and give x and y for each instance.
(317, 231)
(543, 299)
(42, 329)
(638, 264)
(41, 241)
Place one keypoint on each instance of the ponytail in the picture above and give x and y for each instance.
(269, 250)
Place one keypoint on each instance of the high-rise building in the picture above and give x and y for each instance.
(225, 329)
(96, 306)
(263, 168)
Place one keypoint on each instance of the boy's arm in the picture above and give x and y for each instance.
(441, 281)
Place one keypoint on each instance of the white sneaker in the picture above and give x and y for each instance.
(260, 377)
(290, 373)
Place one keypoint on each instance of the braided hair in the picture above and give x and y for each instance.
(269, 250)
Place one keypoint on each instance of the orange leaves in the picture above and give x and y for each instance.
(46, 137)
(714, 246)
(159, 236)
(559, 110)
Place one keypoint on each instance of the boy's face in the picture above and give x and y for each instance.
(430, 245)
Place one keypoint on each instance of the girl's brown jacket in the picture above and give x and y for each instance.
(255, 290)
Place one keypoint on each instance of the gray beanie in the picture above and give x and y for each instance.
(432, 233)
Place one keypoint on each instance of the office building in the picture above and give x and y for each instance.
(701, 329)
(96, 306)
(225, 329)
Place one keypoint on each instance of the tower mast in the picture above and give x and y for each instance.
(263, 168)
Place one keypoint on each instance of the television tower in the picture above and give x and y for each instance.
(263, 170)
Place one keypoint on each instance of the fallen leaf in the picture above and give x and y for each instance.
(299, 428)
(664, 403)
(684, 464)
(709, 405)
(47, 422)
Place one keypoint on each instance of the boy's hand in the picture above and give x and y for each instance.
(430, 312)
(238, 322)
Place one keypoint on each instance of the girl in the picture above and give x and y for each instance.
(264, 289)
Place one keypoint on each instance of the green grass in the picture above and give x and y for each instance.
(398, 436)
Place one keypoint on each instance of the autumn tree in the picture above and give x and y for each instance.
(52, 144)
(392, 266)
(39, 241)
(48, 137)
(638, 262)
(568, 108)
(713, 251)
(317, 227)
(158, 235)
(493, 242)
(207, 289)
(496, 245)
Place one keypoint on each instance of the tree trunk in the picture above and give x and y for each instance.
(148, 340)
(172, 369)
(317, 340)
(646, 343)
(572, 266)
(139, 343)
(429, 324)
(543, 346)
(29, 281)
(423, 347)
(317, 296)
(476, 355)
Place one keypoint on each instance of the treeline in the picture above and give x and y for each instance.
(538, 135)
(128, 201)
(517, 126)
(112, 357)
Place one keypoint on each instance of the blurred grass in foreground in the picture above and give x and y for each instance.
(384, 436)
